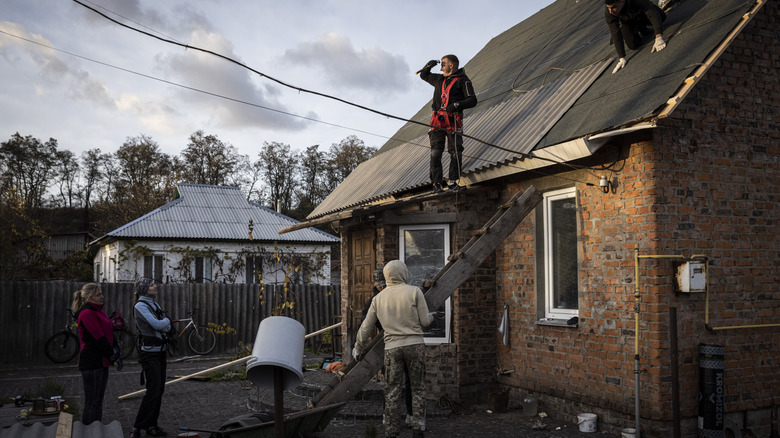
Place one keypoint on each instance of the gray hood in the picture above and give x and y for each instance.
(396, 273)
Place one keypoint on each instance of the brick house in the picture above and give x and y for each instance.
(673, 159)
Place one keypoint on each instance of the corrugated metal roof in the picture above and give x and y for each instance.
(558, 56)
(517, 124)
(38, 430)
(216, 213)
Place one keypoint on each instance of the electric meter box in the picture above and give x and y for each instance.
(692, 277)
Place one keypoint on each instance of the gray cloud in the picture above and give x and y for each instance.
(335, 58)
(79, 83)
(215, 75)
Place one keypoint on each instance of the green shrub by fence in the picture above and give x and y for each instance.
(32, 311)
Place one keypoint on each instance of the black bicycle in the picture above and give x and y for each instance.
(64, 346)
(123, 337)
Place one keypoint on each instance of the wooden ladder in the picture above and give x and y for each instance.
(460, 266)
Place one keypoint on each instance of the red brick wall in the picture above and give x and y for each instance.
(706, 181)
(721, 150)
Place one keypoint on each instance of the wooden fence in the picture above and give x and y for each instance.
(31, 312)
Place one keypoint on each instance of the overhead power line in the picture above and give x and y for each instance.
(296, 88)
(304, 90)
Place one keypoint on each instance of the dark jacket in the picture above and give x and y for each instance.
(635, 14)
(97, 338)
(461, 93)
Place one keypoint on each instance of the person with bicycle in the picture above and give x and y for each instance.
(98, 349)
(153, 327)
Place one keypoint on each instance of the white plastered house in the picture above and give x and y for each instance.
(212, 234)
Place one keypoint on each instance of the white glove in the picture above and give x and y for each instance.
(659, 45)
(621, 63)
(356, 353)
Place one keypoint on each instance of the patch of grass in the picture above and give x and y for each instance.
(242, 350)
(51, 388)
(227, 375)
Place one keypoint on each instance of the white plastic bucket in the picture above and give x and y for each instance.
(628, 433)
(587, 422)
(278, 344)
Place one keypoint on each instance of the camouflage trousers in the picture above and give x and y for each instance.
(413, 358)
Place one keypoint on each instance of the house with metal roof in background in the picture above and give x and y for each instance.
(213, 234)
(643, 285)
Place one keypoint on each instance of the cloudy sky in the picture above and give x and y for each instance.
(72, 75)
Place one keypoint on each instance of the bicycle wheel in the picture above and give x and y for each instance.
(126, 342)
(62, 347)
(201, 340)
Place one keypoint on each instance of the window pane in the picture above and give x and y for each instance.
(158, 268)
(424, 256)
(207, 270)
(564, 253)
(198, 269)
(251, 278)
(148, 267)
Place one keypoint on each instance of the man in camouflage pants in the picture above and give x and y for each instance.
(402, 311)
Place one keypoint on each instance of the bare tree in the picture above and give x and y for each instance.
(344, 157)
(26, 165)
(92, 165)
(141, 163)
(139, 179)
(279, 166)
(313, 174)
(67, 170)
(208, 160)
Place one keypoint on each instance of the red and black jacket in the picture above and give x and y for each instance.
(461, 92)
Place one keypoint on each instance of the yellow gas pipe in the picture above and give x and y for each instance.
(636, 315)
(636, 326)
(707, 309)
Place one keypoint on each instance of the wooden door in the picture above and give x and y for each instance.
(362, 264)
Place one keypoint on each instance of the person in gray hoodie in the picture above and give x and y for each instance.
(403, 312)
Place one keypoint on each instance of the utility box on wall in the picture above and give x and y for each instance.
(692, 276)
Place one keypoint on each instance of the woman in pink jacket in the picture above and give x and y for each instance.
(98, 349)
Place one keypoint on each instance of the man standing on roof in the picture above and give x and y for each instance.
(628, 21)
(403, 312)
(452, 94)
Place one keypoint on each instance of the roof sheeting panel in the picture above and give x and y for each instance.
(216, 213)
(540, 55)
(517, 123)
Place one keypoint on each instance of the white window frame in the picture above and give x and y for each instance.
(402, 256)
(155, 265)
(550, 311)
(207, 266)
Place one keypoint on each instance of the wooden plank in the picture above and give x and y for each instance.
(691, 81)
(462, 268)
(64, 425)
(366, 210)
(416, 219)
(358, 373)
(297, 424)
